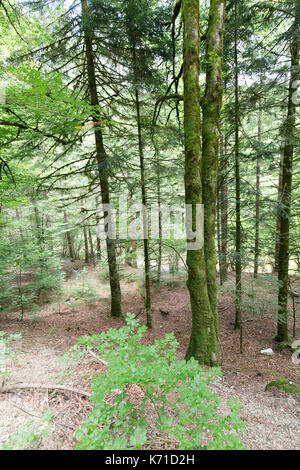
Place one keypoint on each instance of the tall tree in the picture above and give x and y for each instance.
(211, 106)
(287, 176)
(101, 156)
(238, 254)
(203, 345)
(257, 199)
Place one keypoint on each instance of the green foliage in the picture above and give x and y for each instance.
(259, 296)
(29, 269)
(85, 290)
(185, 409)
(103, 275)
(29, 434)
(6, 355)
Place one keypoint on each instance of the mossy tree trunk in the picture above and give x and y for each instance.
(211, 106)
(203, 345)
(101, 156)
(287, 174)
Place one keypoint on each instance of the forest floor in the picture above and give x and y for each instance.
(272, 418)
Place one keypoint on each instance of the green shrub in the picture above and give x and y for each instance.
(29, 434)
(6, 355)
(186, 409)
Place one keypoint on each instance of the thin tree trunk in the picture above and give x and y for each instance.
(145, 224)
(143, 186)
(86, 245)
(19, 217)
(131, 255)
(69, 238)
(280, 188)
(203, 345)
(257, 202)
(92, 252)
(224, 210)
(40, 237)
(98, 239)
(158, 184)
(288, 153)
(238, 264)
(219, 235)
(101, 156)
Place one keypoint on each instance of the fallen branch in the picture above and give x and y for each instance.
(43, 387)
(39, 416)
(91, 353)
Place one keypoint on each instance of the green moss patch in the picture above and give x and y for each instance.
(283, 384)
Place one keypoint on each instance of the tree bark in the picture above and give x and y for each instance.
(101, 156)
(98, 239)
(280, 187)
(143, 185)
(287, 175)
(145, 224)
(92, 252)
(211, 106)
(238, 263)
(203, 345)
(224, 210)
(86, 245)
(257, 202)
(69, 238)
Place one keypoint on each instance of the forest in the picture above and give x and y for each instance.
(149, 225)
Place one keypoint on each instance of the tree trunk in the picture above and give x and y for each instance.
(69, 238)
(91, 247)
(98, 239)
(280, 187)
(40, 237)
(101, 156)
(86, 245)
(203, 345)
(238, 263)
(224, 210)
(288, 153)
(219, 235)
(145, 224)
(143, 186)
(211, 106)
(257, 203)
(131, 254)
(158, 182)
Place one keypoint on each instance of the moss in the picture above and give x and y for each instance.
(280, 346)
(211, 106)
(283, 384)
(203, 344)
